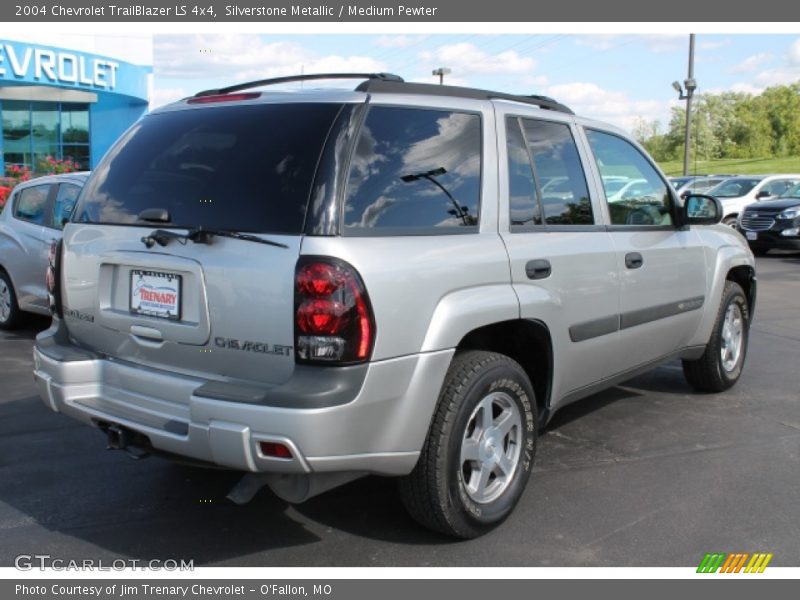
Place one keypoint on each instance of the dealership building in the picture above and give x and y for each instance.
(70, 96)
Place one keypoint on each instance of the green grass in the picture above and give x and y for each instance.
(744, 166)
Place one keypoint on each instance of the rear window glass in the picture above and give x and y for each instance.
(32, 203)
(415, 169)
(242, 168)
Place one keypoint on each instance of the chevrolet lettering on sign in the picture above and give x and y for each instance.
(42, 64)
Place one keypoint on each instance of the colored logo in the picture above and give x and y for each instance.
(736, 562)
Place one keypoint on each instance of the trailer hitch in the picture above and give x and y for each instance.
(120, 438)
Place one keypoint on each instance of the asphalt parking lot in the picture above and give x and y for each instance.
(644, 474)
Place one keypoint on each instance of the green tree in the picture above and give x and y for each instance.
(648, 134)
(731, 125)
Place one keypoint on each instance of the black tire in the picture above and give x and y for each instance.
(709, 373)
(437, 493)
(10, 314)
(730, 221)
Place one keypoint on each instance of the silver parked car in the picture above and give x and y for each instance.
(32, 218)
(316, 286)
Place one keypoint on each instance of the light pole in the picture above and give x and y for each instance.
(441, 72)
(691, 85)
(461, 212)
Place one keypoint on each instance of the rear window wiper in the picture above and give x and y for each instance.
(202, 235)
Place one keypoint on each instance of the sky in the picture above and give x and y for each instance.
(619, 78)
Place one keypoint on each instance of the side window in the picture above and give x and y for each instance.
(415, 169)
(558, 171)
(523, 196)
(32, 203)
(705, 185)
(640, 197)
(65, 202)
(777, 187)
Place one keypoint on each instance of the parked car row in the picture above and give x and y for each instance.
(738, 192)
(697, 184)
(763, 208)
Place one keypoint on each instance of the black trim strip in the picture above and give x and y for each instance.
(662, 311)
(605, 325)
(593, 329)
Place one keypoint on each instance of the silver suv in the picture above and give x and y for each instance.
(315, 286)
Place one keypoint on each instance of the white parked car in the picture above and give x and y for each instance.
(698, 184)
(737, 192)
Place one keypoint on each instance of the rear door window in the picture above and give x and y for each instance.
(31, 204)
(241, 168)
(415, 170)
(558, 170)
(523, 194)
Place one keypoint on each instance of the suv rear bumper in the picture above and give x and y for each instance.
(380, 430)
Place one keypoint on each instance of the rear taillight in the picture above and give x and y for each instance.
(53, 277)
(333, 316)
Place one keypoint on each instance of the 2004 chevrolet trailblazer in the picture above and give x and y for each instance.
(404, 280)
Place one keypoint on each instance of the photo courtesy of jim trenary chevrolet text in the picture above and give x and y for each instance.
(436, 298)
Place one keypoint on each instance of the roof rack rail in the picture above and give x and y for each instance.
(430, 89)
(311, 76)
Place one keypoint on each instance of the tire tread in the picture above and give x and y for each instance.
(704, 374)
(16, 317)
(420, 490)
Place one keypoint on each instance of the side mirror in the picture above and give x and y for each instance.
(763, 194)
(699, 209)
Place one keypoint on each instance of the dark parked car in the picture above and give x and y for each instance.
(774, 224)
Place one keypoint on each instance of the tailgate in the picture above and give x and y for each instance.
(222, 310)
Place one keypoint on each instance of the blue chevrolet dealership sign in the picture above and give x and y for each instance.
(113, 94)
(44, 65)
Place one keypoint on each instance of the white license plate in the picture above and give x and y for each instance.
(156, 294)
(751, 235)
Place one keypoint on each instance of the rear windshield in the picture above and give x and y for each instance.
(242, 168)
